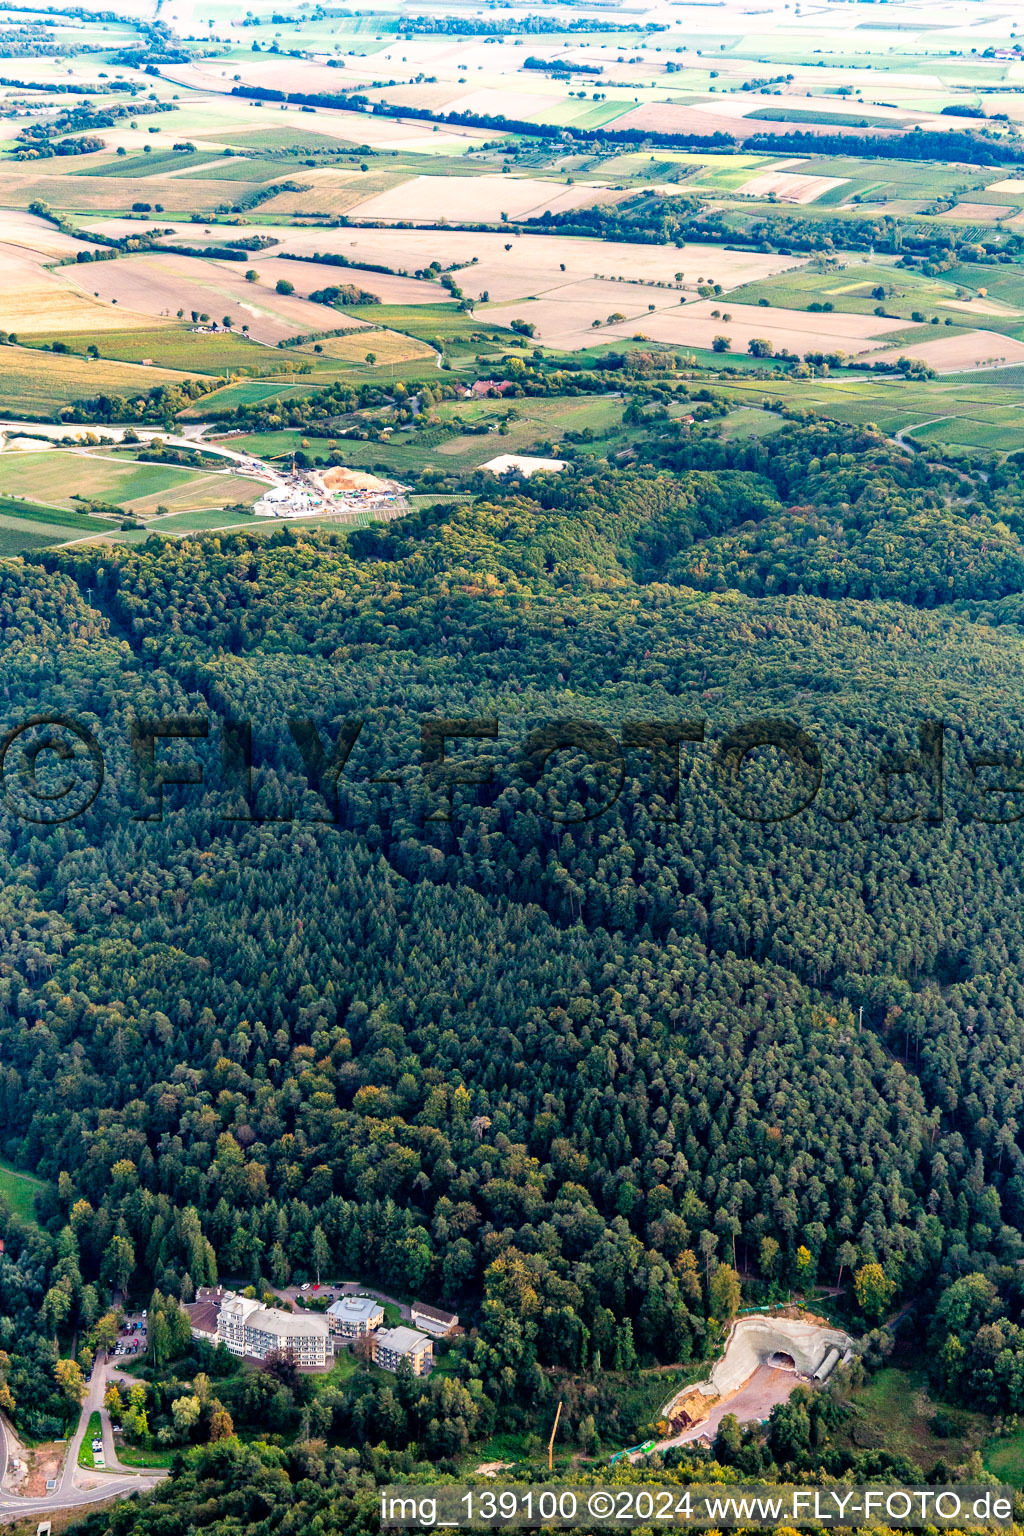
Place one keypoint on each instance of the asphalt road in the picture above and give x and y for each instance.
(67, 1494)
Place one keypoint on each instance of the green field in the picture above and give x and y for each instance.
(177, 347)
(981, 412)
(895, 1411)
(57, 476)
(57, 517)
(1004, 1458)
(150, 165)
(150, 1455)
(439, 322)
(19, 1190)
(21, 541)
(852, 119)
(269, 445)
(849, 290)
(247, 392)
(93, 1431)
(199, 522)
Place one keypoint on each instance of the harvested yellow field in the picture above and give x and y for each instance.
(789, 187)
(1014, 187)
(386, 346)
(156, 285)
(331, 192)
(980, 307)
(32, 381)
(34, 300)
(464, 199)
(955, 354)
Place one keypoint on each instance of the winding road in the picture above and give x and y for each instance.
(68, 1493)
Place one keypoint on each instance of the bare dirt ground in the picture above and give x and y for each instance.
(532, 264)
(791, 188)
(953, 354)
(156, 284)
(982, 213)
(44, 1464)
(753, 1401)
(486, 198)
(565, 318)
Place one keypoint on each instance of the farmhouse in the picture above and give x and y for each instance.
(354, 1316)
(392, 1345)
(248, 1328)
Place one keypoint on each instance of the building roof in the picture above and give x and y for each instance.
(202, 1313)
(435, 1315)
(404, 1341)
(239, 1306)
(355, 1309)
(288, 1324)
(524, 463)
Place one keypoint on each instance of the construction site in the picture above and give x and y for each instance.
(336, 493)
(764, 1360)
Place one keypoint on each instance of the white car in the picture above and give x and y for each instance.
(305, 1287)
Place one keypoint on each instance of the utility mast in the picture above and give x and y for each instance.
(551, 1442)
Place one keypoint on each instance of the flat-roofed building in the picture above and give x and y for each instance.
(250, 1329)
(234, 1314)
(392, 1345)
(354, 1316)
(440, 1325)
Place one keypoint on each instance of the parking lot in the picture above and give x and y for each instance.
(132, 1338)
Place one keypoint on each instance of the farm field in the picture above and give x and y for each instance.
(479, 198)
(566, 318)
(266, 445)
(175, 347)
(530, 262)
(155, 285)
(976, 411)
(38, 383)
(387, 347)
(51, 516)
(58, 477)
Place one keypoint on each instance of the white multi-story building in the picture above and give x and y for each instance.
(354, 1316)
(391, 1345)
(248, 1328)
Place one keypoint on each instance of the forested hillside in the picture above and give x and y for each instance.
(568, 1047)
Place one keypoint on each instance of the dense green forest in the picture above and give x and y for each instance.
(696, 953)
